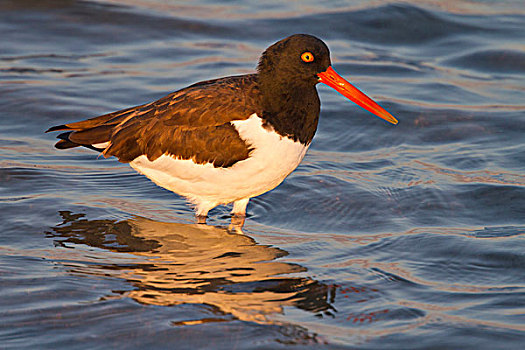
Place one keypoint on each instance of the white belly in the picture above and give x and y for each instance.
(273, 158)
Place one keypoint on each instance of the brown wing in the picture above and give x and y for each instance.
(192, 123)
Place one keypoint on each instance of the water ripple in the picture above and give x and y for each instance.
(384, 236)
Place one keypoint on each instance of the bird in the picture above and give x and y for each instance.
(229, 139)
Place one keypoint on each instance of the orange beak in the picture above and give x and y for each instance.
(334, 80)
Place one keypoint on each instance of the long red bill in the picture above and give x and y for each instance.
(334, 80)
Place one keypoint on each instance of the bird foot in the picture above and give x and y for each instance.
(201, 219)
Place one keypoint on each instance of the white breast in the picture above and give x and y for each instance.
(273, 158)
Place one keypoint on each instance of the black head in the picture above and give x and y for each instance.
(287, 74)
(296, 60)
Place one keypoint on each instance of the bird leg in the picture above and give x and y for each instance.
(202, 210)
(239, 212)
(239, 207)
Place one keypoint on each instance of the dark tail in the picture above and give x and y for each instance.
(66, 143)
(87, 133)
(58, 127)
(85, 137)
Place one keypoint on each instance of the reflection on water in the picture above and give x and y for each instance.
(197, 264)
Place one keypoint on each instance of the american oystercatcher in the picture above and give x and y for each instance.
(228, 139)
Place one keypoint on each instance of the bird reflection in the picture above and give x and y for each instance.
(198, 264)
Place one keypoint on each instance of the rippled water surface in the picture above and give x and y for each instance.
(385, 237)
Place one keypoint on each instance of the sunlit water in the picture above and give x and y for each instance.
(384, 238)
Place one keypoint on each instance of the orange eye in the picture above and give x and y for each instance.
(307, 56)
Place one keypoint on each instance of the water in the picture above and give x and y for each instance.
(384, 238)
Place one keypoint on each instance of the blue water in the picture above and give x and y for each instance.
(385, 237)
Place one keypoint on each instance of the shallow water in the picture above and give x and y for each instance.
(384, 238)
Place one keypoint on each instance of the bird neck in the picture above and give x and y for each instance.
(291, 109)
